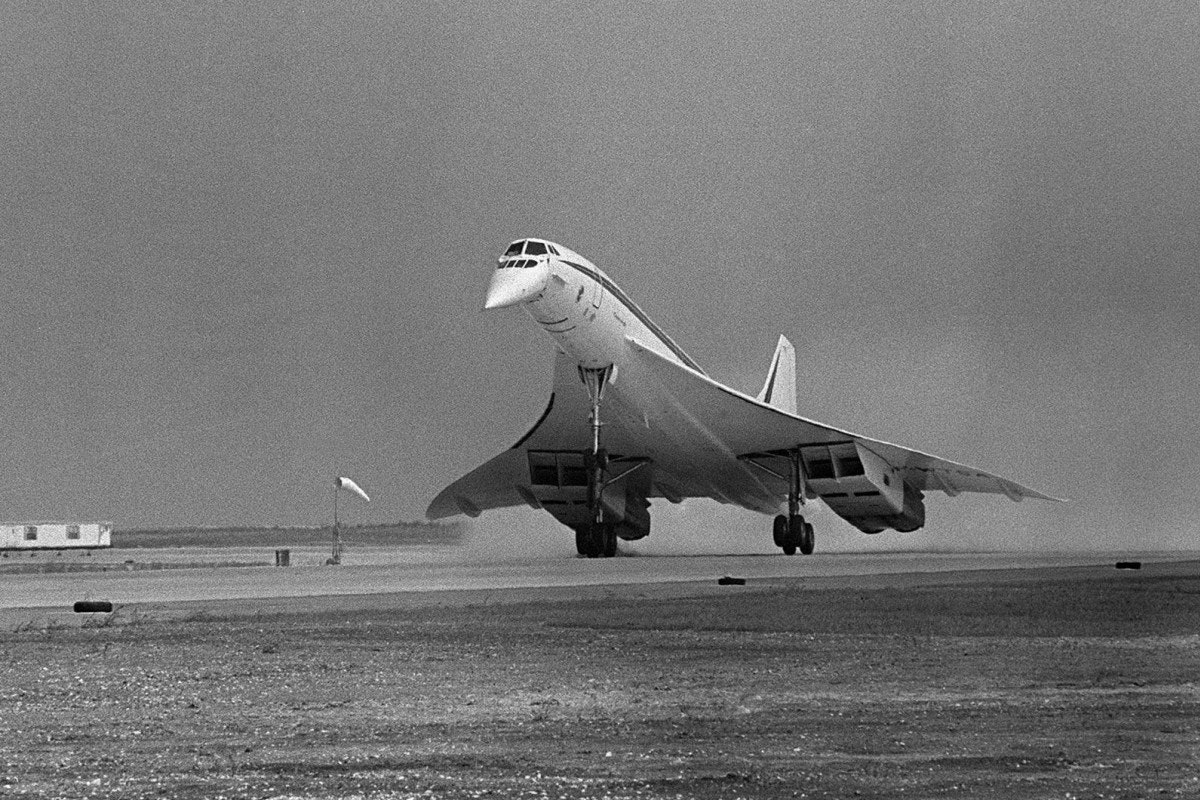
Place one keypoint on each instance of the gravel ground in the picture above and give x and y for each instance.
(1062, 687)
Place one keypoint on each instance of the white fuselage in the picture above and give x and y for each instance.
(593, 322)
(580, 307)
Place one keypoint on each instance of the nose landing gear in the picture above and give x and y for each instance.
(597, 537)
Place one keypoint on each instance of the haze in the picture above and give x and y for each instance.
(244, 246)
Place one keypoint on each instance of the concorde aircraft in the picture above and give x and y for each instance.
(632, 417)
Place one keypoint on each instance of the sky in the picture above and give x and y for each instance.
(243, 246)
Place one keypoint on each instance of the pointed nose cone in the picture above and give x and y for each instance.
(513, 285)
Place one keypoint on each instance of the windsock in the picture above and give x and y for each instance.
(352, 487)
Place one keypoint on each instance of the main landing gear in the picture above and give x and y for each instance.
(790, 531)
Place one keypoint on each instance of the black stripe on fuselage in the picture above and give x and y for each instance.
(549, 326)
(632, 308)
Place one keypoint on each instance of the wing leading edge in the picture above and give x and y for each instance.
(504, 480)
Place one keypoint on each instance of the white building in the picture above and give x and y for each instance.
(54, 535)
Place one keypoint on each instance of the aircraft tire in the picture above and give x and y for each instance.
(583, 541)
(779, 530)
(808, 538)
(795, 534)
(608, 535)
(596, 538)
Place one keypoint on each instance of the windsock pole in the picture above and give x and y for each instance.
(349, 485)
(336, 558)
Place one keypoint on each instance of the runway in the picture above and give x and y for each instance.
(421, 570)
(990, 675)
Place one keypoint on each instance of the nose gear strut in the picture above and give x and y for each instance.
(596, 537)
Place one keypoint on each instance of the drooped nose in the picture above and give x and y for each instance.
(515, 282)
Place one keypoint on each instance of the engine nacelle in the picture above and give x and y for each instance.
(558, 483)
(863, 488)
(910, 518)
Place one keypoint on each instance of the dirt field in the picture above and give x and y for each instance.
(1064, 686)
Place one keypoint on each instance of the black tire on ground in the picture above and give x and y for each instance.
(789, 549)
(93, 606)
(779, 530)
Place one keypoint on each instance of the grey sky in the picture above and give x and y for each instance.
(244, 245)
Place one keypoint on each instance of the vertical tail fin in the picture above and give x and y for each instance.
(780, 389)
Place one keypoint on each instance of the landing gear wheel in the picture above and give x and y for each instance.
(795, 535)
(582, 541)
(609, 537)
(595, 536)
(595, 543)
(808, 538)
(598, 540)
(779, 531)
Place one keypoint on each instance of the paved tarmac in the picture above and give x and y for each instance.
(446, 569)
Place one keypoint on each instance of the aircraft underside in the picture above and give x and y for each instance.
(603, 497)
(598, 456)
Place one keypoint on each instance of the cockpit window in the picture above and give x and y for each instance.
(530, 248)
(518, 263)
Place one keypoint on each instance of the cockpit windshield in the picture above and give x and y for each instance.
(529, 248)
